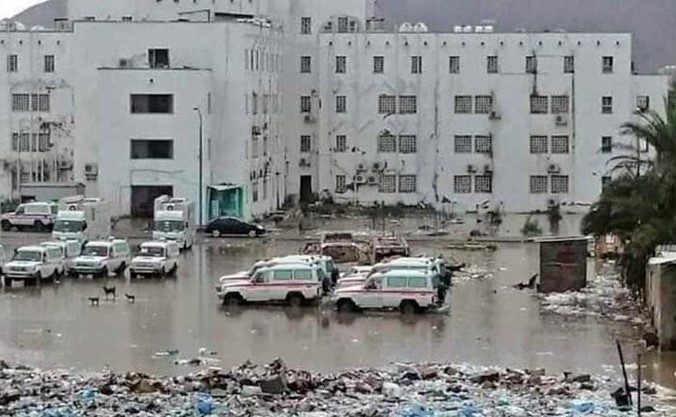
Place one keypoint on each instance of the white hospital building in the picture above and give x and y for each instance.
(296, 98)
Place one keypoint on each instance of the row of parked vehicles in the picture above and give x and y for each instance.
(407, 284)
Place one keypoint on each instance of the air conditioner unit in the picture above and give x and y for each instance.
(372, 180)
(471, 169)
(360, 179)
(125, 63)
(561, 120)
(488, 169)
(304, 162)
(553, 168)
(91, 171)
(65, 164)
(552, 202)
(362, 167)
(378, 166)
(494, 115)
(309, 118)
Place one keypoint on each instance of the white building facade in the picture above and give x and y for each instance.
(295, 98)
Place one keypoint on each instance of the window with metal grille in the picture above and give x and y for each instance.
(388, 184)
(24, 142)
(569, 64)
(254, 191)
(538, 144)
(306, 64)
(463, 144)
(560, 144)
(341, 143)
(416, 65)
(341, 104)
(305, 143)
(606, 144)
(539, 104)
(607, 64)
(408, 144)
(463, 104)
(538, 184)
(343, 24)
(483, 184)
(408, 104)
(483, 104)
(408, 183)
(492, 64)
(341, 183)
(341, 64)
(483, 144)
(49, 63)
(642, 103)
(42, 102)
(305, 25)
(559, 184)
(387, 143)
(531, 64)
(560, 104)
(378, 64)
(607, 105)
(20, 102)
(305, 104)
(462, 184)
(387, 104)
(12, 63)
(152, 149)
(454, 64)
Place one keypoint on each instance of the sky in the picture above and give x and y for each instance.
(9, 8)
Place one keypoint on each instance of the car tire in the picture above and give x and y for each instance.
(253, 233)
(173, 270)
(233, 300)
(409, 308)
(295, 300)
(38, 226)
(6, 226)
(8, 282)
(216, 233)
(346, 306)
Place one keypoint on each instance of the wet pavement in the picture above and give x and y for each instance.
(490, 323)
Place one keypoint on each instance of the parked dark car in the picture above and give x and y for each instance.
(233, 226)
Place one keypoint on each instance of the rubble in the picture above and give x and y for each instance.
(275, 390)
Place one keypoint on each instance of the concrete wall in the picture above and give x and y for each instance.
(661, 298)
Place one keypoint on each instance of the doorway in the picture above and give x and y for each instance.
(143, 199)
(306, 189)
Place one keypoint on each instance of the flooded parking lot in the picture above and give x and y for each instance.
(490, 323)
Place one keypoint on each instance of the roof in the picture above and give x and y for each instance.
(156, 243)
(32, 248)
(286, 266)
(403, 273)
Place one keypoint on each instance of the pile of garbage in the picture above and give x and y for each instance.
(604, 296)
(429, 390)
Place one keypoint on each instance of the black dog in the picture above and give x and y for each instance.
(130, 298)
(110, 291)
(530, 285)
(94, 301)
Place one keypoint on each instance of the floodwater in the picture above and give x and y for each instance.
(490, 323)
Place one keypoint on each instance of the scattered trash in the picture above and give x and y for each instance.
(170, 352)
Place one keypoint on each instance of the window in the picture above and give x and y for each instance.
(416, 65)
(408, 104)
(606, 144)
(254, 191)
(152, 103)
(642, 103)
(492, 64)
(454, 64)
(24, 142)
(605, 182)
(158, 58)
(20, 102)
(305, 64)
(538, 144)
(305, 104)
(387, 104)
(388, 184)
(607, 105)
(341, 104)
(483, 104)
(407, 144)
(483, 144)
(341, 183)
(463, 104)
(483, 184)
(560, 144)
(49, 63)
(152, 149)
(417, 282)
(407, 183)
(539, 104)
(341, 64)
(254, 147)
(305, 143)
(559, 184)
(341, 143)
(343, 24)
(43, 102)
(12, 63)
(463, 144)
(560, 104)
(127, 18)
(387, 143)
(462, 184)
(378, 64)
(282, 275)
(569, 64)
(396, 282)
(15, 142)
(607, 63)
(531, 64)
(538, 184)
(305, 25)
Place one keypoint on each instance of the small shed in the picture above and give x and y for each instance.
(563, 263)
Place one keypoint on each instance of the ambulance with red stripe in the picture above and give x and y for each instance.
(408, 291)
(37, 216)
(292, 284)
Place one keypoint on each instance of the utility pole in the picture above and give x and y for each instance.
(201, 163)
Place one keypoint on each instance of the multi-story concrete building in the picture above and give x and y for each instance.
(298, 97)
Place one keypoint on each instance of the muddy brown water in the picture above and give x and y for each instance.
(490, 323)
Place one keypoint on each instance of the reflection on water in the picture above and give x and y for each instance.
(490, 323)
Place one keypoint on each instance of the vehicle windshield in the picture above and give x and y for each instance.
(28, 256)
(69, 226)
(154, 252)
(169, 226)
(96, 251)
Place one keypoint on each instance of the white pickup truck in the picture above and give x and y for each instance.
(33, 264)
(101, 258)
(157, 259)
